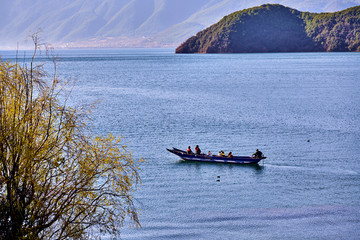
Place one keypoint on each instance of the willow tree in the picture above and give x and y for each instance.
(57, 181)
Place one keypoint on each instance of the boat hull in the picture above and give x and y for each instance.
(215, 159)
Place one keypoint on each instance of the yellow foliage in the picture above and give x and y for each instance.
(56, 180)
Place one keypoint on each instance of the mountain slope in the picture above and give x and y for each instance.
(275, 28)
(83, 23)
(339, 31)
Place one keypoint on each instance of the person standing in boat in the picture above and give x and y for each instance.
(188, 150)
(197, 150)
(257, 154)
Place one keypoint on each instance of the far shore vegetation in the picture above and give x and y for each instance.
(275, 28)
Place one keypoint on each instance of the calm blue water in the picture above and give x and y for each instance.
(301, 109)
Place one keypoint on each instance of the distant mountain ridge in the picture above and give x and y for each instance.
(276, 28)
(127, 23)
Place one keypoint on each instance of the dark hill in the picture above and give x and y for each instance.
(275, 28)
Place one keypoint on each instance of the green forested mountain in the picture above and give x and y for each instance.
(275, 28)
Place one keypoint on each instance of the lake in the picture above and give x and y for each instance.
(300, 109)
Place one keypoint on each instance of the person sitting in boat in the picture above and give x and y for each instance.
(197, 150)
(257, 154)
(230, 155)
(209, 153)
(188, 150)
(221, 153)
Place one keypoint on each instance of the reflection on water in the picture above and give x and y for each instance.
(256, 166)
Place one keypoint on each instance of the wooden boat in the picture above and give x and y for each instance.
(215, 158)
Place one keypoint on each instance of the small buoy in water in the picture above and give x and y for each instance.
(218, 180)
(218, 176)
(308, 140)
